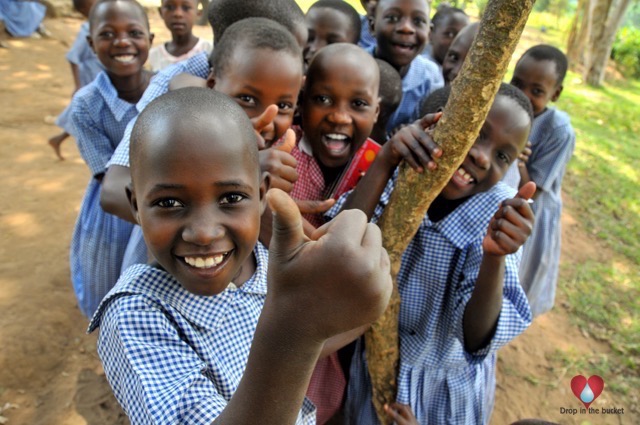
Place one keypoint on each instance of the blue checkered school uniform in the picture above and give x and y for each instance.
(98, 119)
(175, 357)
(552, 143)
(197, 65)
(367, 41)
(442, 382)
(88, 65)
(422, 78)
(21, 17)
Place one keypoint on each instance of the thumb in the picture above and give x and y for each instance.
(288, 143)
(429, 120)
(264, 119)
(287, 233)
(527, 191)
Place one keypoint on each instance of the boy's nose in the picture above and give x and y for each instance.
(122, 40)
(405, 25)
(339, 116)
(202, 229)
(480, 156)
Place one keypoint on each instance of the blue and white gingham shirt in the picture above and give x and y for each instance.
(421, 80)
(173, 357)
(440, 380)
(98, 119)
(552, 143)
(197, 65)
(367, 41)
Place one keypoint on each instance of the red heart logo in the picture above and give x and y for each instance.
(587, 390)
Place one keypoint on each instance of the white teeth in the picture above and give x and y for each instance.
(466, 176)
(204, 263)
(335, 136)
(124, 58)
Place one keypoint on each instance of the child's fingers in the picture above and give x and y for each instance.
(400, 146)
(314, 207)
(527, 191)
(400, 413)
(288, 143)
(264, 119)
(429, 120)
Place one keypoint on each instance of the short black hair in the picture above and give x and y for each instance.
(443, 12)
(438, 99)
(390, 90)
(545, 52)
(94, 11)
(78, 4)
(346, 9)
(255, 33)
(224, 13)
(191, 103)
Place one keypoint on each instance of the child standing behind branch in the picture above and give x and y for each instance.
(458, 280)
(539, 74)
(179, 17)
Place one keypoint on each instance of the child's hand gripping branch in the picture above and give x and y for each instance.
(411, 143)
(321, 286)
(401, 414)
(508, 230)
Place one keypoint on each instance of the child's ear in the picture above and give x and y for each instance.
(211, 79)
(160, 11)
(151, 37)
(377, 110)
(133, 202)
(557, 93)
(265, 184)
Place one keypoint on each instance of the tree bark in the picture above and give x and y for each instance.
(580, 33)
(608, 15)
(471, 97)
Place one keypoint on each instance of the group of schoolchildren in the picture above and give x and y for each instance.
(229, 273)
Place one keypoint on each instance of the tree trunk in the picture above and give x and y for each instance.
(580, 33)
(608, 16)
(471, 97)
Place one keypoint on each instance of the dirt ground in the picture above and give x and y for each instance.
(49, 371)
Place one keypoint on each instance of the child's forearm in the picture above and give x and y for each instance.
(367, 192)
(76, 76)
(483, 309)
(113, 194)
(277, 375)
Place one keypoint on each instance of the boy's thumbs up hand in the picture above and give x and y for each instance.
(334, 282)
(512, 224)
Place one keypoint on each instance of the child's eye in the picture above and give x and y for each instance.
(246, 99)
(186, 7)
(232, 198)
(170, 8)
(136, 33)
(168, 203)
(284, 107)
(449, 34)
(537, 92)
(359, 103)
(504, 157)
(392, 18)
(452, 57)
(322, 99)
(419, 21)
(106, 34)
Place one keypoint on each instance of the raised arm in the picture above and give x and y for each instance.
(509, 228)
(320, 287)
